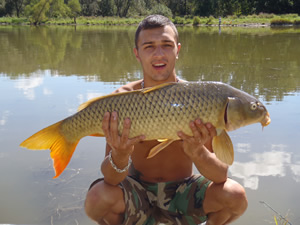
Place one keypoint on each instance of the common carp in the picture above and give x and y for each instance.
(158, 113)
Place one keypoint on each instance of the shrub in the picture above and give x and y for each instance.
(266, 15)
(209, 20)
(275, 22)
(196, 20)
(297, 22)
(178, 20)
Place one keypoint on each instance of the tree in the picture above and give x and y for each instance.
(2, 8)
(58, 9)
(9, 7)
(106, 7)
(89, 7)
(12, 5)
(37, 11)
(75, 9)
(162, 10)
(122, 7)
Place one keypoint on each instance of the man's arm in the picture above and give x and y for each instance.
(196, 148)
(120, 146)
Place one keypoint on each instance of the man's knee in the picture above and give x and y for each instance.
(92, 199)
(236, 197)
(100, 199)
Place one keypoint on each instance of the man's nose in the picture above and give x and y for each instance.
(159, 51)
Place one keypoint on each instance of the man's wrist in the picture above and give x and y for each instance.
(199, 153)
(115, 167)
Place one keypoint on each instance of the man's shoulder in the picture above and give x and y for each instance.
(135, 85)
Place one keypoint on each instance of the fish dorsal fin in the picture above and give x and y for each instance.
(144, 91)
(223, 148)
(158, 148)
(147, 90)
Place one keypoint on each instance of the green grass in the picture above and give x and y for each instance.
(14, 20)
(94, 21)
(250, 20)
(280, 22)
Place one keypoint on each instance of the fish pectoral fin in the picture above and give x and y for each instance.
(158, 148)
(223, 148)
(51, 138)
(162, 140)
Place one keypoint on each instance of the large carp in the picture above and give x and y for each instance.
(158, 113)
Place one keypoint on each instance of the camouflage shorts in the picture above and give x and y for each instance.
(171, 203)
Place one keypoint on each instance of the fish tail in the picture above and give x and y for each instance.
(61, 150)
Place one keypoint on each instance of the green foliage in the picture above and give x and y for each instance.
(75, 8)
(9, 8)
(266, 15)
(106, 8)
(161, 9)
(281, 21)
(2, 8)
(178, 20)
(58, 9)
(297, 22)
(263, 10)
(196, 20)
(19, 21)
(209, 21)
(37, 12)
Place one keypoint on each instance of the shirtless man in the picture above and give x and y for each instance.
(162, 189)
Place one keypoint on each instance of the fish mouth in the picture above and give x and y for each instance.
(266, 120)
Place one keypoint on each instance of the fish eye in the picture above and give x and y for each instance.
(253, 106)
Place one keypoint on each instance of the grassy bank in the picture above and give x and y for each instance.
(251, 20)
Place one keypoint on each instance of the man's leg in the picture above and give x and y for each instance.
(105, 203)
(224, 203)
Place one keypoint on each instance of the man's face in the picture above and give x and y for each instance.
(157, 52)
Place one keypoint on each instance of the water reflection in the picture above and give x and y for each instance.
(46, 73)
(266, 57)
(273, 163)
(27, 86)
(3, 117)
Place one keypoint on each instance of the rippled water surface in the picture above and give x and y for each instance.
(46, 72)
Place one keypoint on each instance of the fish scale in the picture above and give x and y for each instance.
(158, 113)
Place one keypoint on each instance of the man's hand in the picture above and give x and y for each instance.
(196, 148)
(202, 134)
(122, 146)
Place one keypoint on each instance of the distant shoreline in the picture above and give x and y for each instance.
(262, 20)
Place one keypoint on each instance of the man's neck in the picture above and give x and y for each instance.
(151, 83)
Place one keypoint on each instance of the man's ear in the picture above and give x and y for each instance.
(136, 53)
(178, 49)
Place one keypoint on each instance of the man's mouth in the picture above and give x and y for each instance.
(159, 65)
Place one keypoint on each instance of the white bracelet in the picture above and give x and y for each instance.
(114, 165)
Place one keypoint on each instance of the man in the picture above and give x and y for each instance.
(162, 189)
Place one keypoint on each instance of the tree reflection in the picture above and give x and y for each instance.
(262, 62)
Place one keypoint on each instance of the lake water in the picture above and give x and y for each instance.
(47, 72)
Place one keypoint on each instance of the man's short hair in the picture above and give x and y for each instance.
(155, 21)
